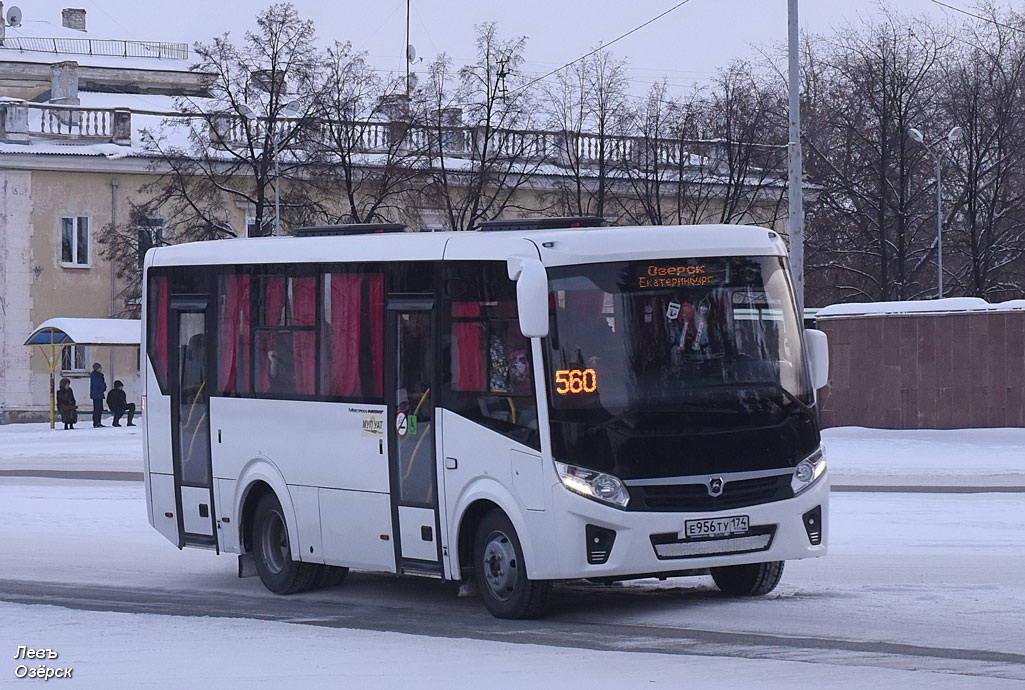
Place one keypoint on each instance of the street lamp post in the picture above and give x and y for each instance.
(289, 111)
(952, 136)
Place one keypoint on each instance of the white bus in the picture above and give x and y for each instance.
(507, 408)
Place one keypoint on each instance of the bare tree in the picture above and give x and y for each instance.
(223, 155)
(738, 175)
(363, 142)
(867, 232)
(480, 148)
(984, 93)
(653, 171)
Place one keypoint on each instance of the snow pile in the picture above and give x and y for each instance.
(947, 305)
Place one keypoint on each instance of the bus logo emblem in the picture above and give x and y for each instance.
(715, 486)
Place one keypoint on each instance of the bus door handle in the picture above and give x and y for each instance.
(451, 463)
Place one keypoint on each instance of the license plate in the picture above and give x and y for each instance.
(716, 527)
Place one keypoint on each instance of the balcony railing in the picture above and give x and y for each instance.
(102, 47)
(21, 121)
(560, 148)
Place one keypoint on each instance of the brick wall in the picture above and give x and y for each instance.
(925, 371)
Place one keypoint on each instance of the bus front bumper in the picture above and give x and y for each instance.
(599, 541)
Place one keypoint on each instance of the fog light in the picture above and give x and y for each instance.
(813, 525)
(599, 544)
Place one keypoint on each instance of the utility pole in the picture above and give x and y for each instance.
(795, 189)
(405, 51)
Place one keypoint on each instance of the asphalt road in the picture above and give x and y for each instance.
(579, 619)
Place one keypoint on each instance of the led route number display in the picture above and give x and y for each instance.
(575, 381)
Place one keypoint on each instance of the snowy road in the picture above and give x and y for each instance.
(918, 590)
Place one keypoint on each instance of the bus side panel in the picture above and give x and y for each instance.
(224, 499)
(306, 501)
(324, 444)
(157, 425)
(483, 468)
(162, 491)
(356, 527)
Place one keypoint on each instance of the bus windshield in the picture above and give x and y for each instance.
(713, 334)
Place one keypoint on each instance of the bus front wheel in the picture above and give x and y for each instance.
(749, 580)
(501, 573)
(273, 554)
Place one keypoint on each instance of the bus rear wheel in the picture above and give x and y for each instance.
(501, 573)
(750, 580)
(273, 554)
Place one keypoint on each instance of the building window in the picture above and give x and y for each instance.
(73, 359)
(150, 234)
(75, 240)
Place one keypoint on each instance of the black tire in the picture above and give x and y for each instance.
(501, 574)
(330, 576)
(751, 580)
(272, 552)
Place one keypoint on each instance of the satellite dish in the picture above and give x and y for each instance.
(410, 53)
(14, 16)
(413, 81)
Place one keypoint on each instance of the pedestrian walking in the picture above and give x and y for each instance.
(97, 387)
(118, 404)
(66, 404)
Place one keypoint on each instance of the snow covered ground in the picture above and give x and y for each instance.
(938, 570)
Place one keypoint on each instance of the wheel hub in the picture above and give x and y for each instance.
(500, 565)
(275, 543)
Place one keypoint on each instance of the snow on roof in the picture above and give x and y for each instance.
(948, 305)
(73, 331)
(22, 44)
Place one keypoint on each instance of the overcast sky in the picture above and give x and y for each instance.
(686, 46)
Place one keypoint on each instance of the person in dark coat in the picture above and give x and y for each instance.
(66, 404)
(97, 387)
(119, 405)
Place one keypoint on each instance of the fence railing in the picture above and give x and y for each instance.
(558, 147)
(21, 120)
(103, 47)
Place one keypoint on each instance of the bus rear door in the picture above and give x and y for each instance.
(190, 423)
(410, 328)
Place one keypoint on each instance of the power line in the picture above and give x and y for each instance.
(603, 47)
(978, 16)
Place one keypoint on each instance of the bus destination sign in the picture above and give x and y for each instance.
(662, 276)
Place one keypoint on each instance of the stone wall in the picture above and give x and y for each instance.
(925, 371)
(16, 277)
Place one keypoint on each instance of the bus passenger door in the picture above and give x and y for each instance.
(190, 425)
(411, 429)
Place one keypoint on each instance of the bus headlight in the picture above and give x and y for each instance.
(593, 484)
(808, 471)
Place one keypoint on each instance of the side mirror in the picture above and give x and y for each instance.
(531, 295)
(818, 356)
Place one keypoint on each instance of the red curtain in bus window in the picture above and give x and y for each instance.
(233, 343)
(304, 343)
(160, 332)
(375, 293)
(273, 301)
(343, 378)
(468, 370)
(304, 302)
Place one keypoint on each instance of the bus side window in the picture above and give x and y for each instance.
(233, 334)
(488, 373)
(157, 315)
(285, 336)
(352, 336)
